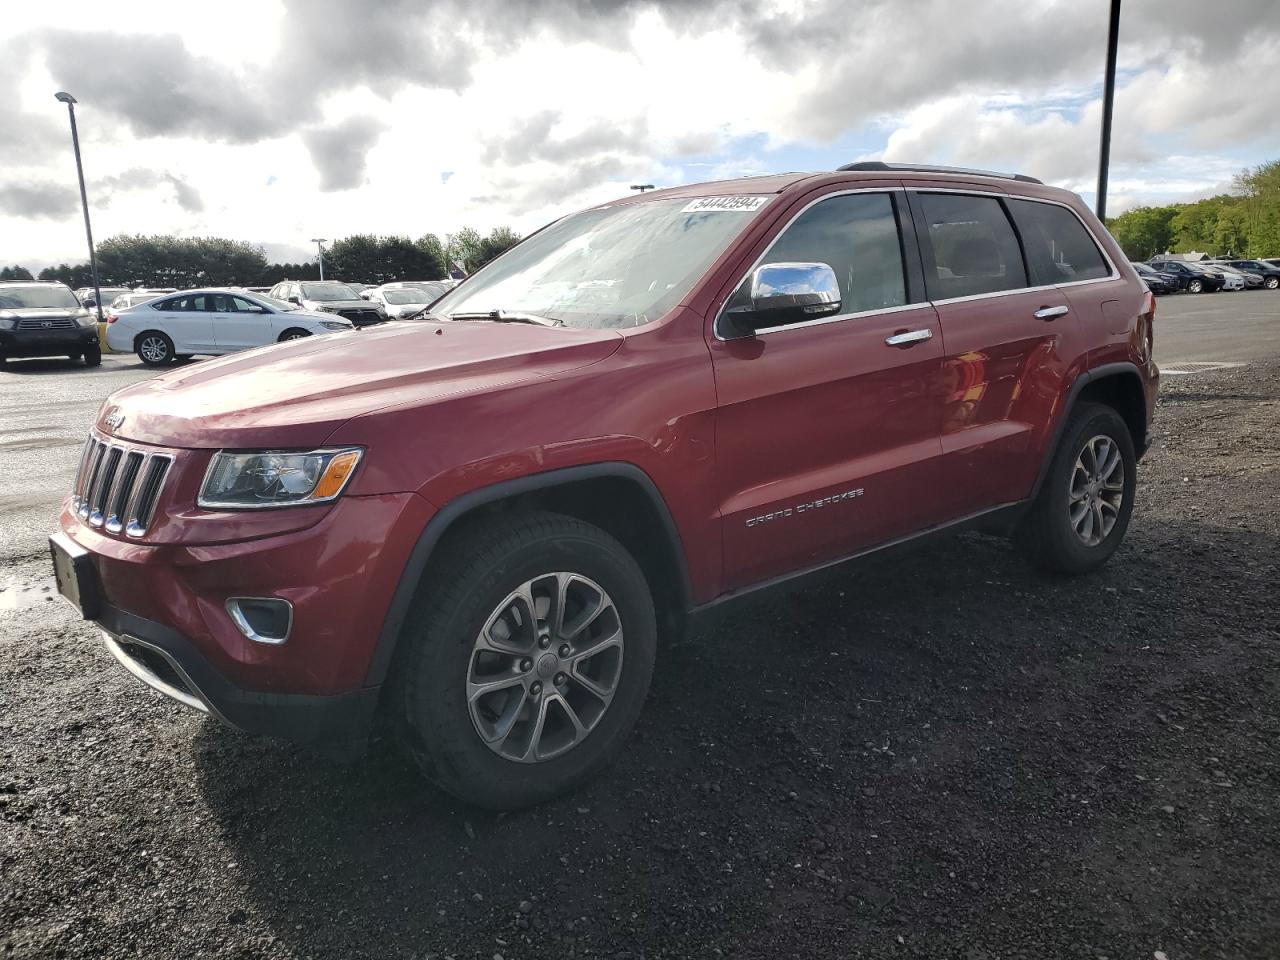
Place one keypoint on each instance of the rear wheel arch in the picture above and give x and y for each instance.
(1116, 385)
(593, 493)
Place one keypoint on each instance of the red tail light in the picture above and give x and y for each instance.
(1149, 304)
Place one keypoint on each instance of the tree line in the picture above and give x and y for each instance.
(184, 262)
(1242, 223)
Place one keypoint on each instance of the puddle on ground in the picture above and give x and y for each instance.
(19, 595)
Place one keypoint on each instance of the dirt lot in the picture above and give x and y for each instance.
(945, 755)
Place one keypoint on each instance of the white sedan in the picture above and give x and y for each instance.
(211, 322)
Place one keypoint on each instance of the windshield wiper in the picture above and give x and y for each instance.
(505, 316)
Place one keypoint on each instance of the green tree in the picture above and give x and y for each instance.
(1259, 189)
(433, 253)
(463, 248)
(15, 273)
(499, 240)
(1143, 231)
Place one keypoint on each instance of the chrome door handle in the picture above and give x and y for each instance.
(1051, 313)
(908, 338)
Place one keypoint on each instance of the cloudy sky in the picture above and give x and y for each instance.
(279, 121)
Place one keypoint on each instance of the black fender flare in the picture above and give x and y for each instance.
(451, 512)
(1122, 368)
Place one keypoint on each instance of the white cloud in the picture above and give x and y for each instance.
(279, 121)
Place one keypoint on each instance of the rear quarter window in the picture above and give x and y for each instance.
(1059, 247)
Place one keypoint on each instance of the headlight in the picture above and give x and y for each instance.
(88, 319)
(276, 478)
(336, 324)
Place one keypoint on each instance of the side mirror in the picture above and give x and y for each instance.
(296, 301)
(783, 293)
(365, 295)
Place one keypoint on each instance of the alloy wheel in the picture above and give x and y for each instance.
(544, 668)
(153, 350)
(1195, 286)
(1272, 282)
(1097, 490)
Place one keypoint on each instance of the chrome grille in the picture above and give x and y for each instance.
(53, 323)
(118, 486)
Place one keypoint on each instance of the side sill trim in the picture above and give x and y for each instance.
(952, 526)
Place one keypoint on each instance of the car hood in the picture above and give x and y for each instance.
(295, 394)
(41, 313)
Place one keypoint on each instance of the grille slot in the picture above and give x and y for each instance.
(118, 486)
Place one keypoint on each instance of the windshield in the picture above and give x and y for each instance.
(399, 297)
(328, 291)
(15, 298)
(610, 267)
(1143, 269)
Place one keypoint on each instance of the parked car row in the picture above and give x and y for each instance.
(1164, 275)
(160, 325)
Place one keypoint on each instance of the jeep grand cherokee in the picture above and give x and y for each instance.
(482, 523)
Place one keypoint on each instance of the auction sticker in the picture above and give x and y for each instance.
(726, 204)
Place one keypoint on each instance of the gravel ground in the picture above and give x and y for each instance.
(944, 755)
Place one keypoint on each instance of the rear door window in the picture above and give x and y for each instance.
(1059, 248)
(969, 246)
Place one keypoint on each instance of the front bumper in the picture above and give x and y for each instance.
(166, 661)
(47, 343)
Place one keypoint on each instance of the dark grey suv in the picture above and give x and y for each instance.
(330, 296)
(44, 319)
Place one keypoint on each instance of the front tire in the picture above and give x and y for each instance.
(93, 356)
(1271, 283)
(527, 662)
(293, 333)
(1080, 516)
(154, 349)
(1196, 286)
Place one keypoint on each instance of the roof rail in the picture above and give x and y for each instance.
(926, 168)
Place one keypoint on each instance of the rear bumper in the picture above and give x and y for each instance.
(170, 663)
(46, 343)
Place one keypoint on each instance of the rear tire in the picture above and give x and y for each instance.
(1081, 514)
(93, 356)
(544, 730)
(154, 348)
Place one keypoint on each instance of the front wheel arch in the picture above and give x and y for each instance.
(662, 558)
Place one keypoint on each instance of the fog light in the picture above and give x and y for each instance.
(262, 619)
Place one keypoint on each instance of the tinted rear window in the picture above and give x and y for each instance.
(969, 247)
(1059, 248)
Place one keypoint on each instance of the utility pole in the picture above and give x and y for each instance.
(70, 101)
(1108, 100)
(319, 241)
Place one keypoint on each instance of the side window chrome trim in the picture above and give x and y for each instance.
(1113, 275)
(715, 326)
(783, 328)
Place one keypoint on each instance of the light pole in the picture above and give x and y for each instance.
(1108, 99)
(319, 241)
(70, 101)
(642, 187)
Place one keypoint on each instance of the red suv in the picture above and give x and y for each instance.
(479, 524)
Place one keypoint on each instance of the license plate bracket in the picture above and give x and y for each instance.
(76, 576)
